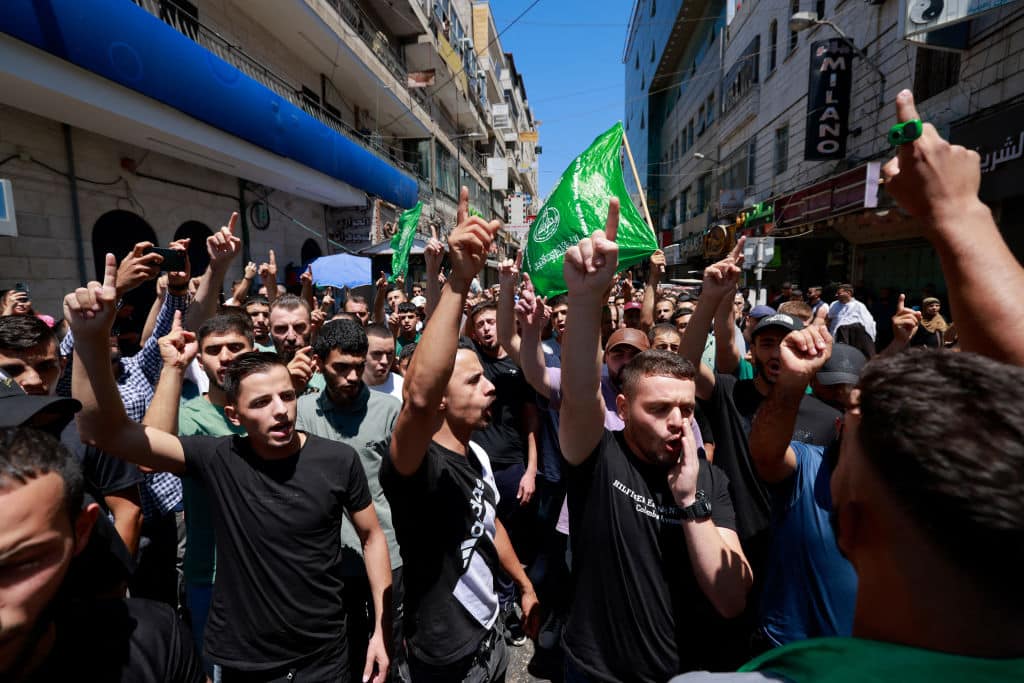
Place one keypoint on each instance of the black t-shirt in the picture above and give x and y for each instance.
(707, 434)
(503, 438)
(639, 614)
(277, 595)
(444, 521)
(121, 641)
(104, 474)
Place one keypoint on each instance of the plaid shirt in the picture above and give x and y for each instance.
(136, 377)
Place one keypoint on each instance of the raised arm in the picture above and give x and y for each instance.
(719, 282)
(801, 355)
(508, 273)
(154, 310)
(428, 375)
(379, 299)
(938, 183)
(222, 248)
(727, 355)
(241, 291)
(433, 255)
(904, 325)
(102, 421)
(657, 269)
(268, 276)
(177, 349)
(589, 273)
(532, 315)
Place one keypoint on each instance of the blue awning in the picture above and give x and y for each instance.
(122, 42)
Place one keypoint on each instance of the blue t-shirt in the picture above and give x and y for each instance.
(810, 588)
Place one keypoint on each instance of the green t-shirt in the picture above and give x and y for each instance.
(268, 348)
(199, 417)
(366, 426)
(317, 384)
(399, 343)
(855, 660)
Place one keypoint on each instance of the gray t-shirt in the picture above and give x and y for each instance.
(366, 426)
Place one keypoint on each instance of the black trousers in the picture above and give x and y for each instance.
(360, 618)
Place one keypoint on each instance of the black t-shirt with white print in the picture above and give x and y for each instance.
(444, 518)
(639, 614)
(277, 595)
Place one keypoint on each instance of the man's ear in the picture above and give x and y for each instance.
(622, 406)
(83, 526)
(231, 414)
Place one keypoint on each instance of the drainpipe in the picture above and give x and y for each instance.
(76, 219)
(244, 220)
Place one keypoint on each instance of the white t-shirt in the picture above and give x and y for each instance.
(392, 385)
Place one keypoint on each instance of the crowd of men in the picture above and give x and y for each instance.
(649, 483)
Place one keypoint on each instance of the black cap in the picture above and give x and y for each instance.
(843, 366)
(780, 320)
(17, 407)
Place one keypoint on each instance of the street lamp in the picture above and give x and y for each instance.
(805, 20)
(705, 157)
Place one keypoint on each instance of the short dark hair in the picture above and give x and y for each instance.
(355, 299)
(396, 288)
(378, 330)
(406, 307)
(258, 299)
(680, 312)
(480, 308)
(347, 336)
(847, 286)
(23, 332)
(227, 322)
(558, 300)
(654, 363)
(246, 364)
(290, 302)
(27, 453)
(660, 328)
(464, 343)
(797, 309)
(945, 432)
(407, 351)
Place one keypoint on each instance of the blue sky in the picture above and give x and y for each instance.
(570, 55)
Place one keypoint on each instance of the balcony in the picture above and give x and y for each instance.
(263, 74)
(741, 111)
(697, 223)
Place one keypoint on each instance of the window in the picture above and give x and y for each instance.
(700, 121)
(684, 213)
(652, 53)
(654, 7)
(703, 192)
(935, 71)
(819, 7)
(773, 44)
(781, 149)
(751, 162)
(689, 134)
(711, 109)
(794, 37)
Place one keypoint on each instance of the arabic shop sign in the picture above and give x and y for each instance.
(828, 100)
(999, 138)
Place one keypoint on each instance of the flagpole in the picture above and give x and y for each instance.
(636, 177)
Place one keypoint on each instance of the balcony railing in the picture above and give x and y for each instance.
(234, 55)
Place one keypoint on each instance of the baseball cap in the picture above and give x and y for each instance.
(843, 366)
(17, 407)
(780, 320)
(419, 301)
(761, 311)
(632, 305)
(629, 336)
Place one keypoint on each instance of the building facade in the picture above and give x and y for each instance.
(317, 120)
(720, 107)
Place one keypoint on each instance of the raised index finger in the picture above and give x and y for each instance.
(905, 107)
(433, 231)
(519, 259)
(611, 226)
(273, 259)
(463, 210)
(232, 221)
(737, 251)
(900, 307)
(110, 272)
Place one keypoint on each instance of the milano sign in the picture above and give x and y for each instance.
(828, 100)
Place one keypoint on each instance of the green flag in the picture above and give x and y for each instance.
(401, 243)
(577, 207)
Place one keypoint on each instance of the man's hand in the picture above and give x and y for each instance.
(306, 279)
(268, 269)
(302, 368)
(508, 270)
(682, 476)
(802, 354)
(470, 241)
(327, 303)
(90, 310)
(137, 267)
(382, 284)
(223, 246)
(930, 178)
(177, 281)
(531, 612)
(721, 278)
(530, 310)
(626, 287)
(657, 269)
(250, 271)
(905, 322)
(433, 253)
(317, 318)
(590, 265)
(16, 303)
(376, 657)
(179, 346)
(527, 487)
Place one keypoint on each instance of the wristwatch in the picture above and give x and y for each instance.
(701, 508)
